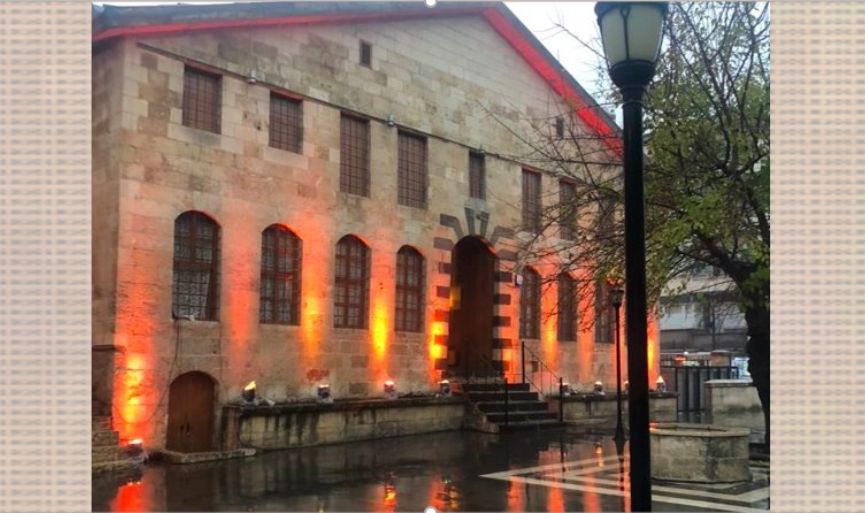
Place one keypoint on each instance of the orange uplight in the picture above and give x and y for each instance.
(250, 386)
(380, 332)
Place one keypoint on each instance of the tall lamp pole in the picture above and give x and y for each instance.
(616, 302)
(631, 33)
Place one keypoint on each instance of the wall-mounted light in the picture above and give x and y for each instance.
(135, 450)
(660, 384)
(252, 78)
(322, 393)
(430, 3)
(390, 389)
(391, 120)
(566, 388)
(598, 387)
(248, 393)
(445, 387)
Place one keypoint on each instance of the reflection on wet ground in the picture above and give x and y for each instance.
(409, 473)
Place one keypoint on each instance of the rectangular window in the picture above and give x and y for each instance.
(202, 100)
(604, 330)
(530, 305)
(560, 127)
(354, 155)
(567, 309)
(531, 201)
(366, 54)
(286, 123)
(477, 178)
(412, 170)
(567, 210)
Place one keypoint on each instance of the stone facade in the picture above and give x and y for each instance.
(149, 168)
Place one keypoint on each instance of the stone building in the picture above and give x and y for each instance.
(306, 193)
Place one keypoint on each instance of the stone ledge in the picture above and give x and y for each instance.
(590, 397)
(343, 405)
(199, 457)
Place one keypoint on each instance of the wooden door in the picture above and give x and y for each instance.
(191, 413)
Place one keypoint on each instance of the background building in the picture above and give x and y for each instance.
(307, 193)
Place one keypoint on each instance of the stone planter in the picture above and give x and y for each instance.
(699, 453)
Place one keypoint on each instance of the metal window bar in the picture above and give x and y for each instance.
(409, 290)
(567, 210)
(351, 291)
(530, 304)
(195, 283)
(202, 100)
(477, 178)
(531, 212)
(354, 177)
(280, 277)
(286, 123)
(412, 170)
(567, 309)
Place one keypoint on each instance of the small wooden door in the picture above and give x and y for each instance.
(191, 413)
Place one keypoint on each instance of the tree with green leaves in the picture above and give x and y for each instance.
(707, 169)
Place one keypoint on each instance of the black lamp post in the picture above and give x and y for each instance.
(631, 33)
(616, 295)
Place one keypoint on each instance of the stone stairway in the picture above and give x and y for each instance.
(525, 409)
(107, 455)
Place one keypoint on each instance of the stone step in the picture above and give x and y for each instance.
(107, 454)
(496, 396)
(499, 418)
(104, 437)
(494, 387)
(513, 406)
(529, 425)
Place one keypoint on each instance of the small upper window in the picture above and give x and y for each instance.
(202, 100)
(286, 123)
(560, 127)
(477, 185)
(366, 53)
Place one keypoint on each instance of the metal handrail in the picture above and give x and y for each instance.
(555, 378)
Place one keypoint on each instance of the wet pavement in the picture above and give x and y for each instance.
(549, 470)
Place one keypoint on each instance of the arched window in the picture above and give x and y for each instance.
(530, 304)
(409, 290)
(567, 306)
(351, 291)
(195, 284)
(280, 276)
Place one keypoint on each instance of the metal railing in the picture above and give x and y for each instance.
(689, 382)
(548, 384)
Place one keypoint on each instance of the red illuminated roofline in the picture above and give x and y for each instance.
(504, 25)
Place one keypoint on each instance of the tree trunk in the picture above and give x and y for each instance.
(757, 318)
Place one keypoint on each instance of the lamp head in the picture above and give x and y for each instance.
(631, 33)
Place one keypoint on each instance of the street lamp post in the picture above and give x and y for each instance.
(631, 33)
(616, 301)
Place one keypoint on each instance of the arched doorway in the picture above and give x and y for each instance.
(470, 338)
(191, 401)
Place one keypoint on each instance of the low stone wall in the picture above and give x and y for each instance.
(733, 403)
(579, 407)
(699, 453)
(303, 424)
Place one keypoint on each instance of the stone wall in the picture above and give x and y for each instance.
(734, 403)
(662, 407)
(158, 168)
(284, 426)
